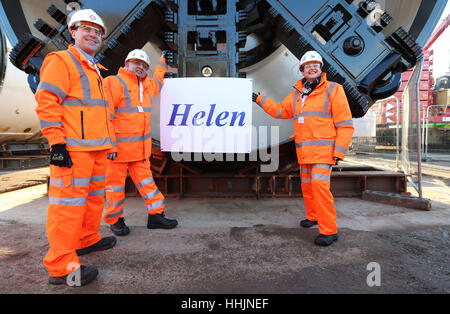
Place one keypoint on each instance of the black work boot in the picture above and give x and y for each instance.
(86, 275)
(308, 223)
(325, 240)
(103, 244)
(120, 228)
(159, 221)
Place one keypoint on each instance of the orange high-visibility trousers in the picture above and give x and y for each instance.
(116, 174)
(319, 201)
(76, 200)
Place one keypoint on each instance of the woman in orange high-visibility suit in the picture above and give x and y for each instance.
(323, 129)
(74, 117)
(131, 93)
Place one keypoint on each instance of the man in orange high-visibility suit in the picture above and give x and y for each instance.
(323, 129)
(75, 118)
(131, 93)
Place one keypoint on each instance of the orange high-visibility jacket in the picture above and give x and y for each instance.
(131, 104)
(323, 125)
(72, 104)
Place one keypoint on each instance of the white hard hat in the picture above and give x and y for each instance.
(86, 15)
(311, 56)
(139, 55)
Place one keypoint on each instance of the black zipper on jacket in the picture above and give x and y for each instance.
(82, 126)
(100, 87)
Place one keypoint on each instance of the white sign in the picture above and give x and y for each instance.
(209, 115)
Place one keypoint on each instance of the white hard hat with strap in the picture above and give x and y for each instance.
(86, 15)
(311, 56)
(138, 54)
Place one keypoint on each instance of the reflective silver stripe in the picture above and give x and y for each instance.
(97, 192)
(318, 114)
(342, 123)
(86, 88)
(163, 65)
(131, 109)
(80, 182)
(319, 176)
(296, 94)
(111, 188)
(47, 124)
(341, 149)
(125, 90)
(67, 201)
(52, 89)
(87, 143)
(263, 101)
(156, 205)
(315, 143)
(306, 180)
(323, 166)
(115, 214)
(145, 182)
(74, 182)
(159, 83)
(151, 194)
(117, 204)
(114, 144)
(75, 102)
(132, 139)
(98, 178)
(111, 116)
(56, 182)
(327, 100)
(305, 170)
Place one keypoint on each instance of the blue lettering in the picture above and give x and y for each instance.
(211, 112)
(234, 117)
(219, 118)
(196, 118)
(175, 113)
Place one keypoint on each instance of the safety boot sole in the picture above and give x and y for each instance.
(159, 226)
(102, 245)
(88, 274)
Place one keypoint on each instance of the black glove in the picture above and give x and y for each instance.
(59, 156)
(337, 160)
(111, 156)
(254, 96)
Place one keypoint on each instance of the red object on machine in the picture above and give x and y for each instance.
(440, 29)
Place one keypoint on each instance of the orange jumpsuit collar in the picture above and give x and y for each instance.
(83, 59)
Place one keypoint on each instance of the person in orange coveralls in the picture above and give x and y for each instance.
(74, 117)
(323, 129)
(131, 93)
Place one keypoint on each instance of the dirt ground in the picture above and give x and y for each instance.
(242, 246)
(259, 259)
